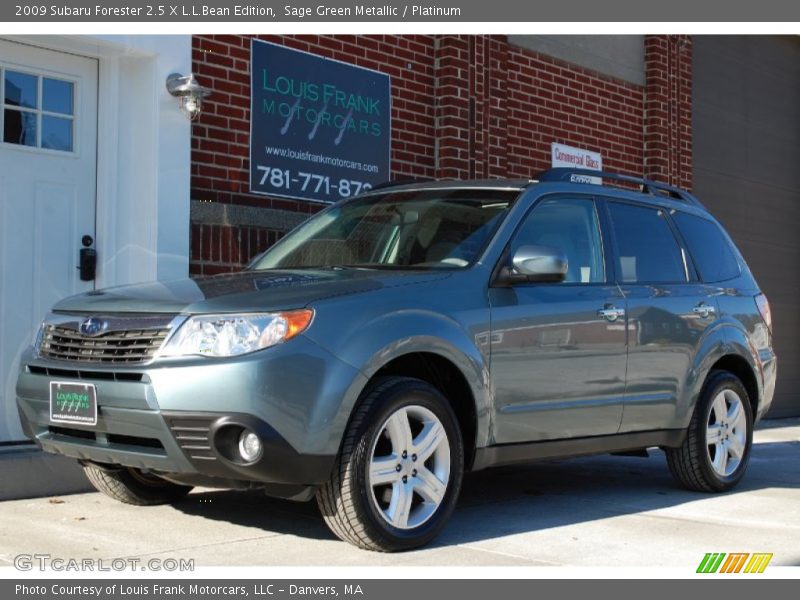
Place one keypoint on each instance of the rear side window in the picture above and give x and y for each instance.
(647, 250)
(712, 253)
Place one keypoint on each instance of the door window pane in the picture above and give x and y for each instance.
(56, 133)
(19, 127)
(712, 253)
(647, 250)
(57, 96)
(571, 226)
(38, 111)
(20, 89)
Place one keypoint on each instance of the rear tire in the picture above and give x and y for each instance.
(715, 453)
(398, 475)
(133, 486)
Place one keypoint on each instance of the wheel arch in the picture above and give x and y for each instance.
(726, 348)
(737, 365)
(445, 376)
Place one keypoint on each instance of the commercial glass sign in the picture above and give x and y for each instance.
(577, 158)
(320, 129)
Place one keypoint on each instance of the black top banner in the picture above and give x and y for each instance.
(331, 11)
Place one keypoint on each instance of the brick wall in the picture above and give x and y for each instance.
(668, 109)
(462, 107)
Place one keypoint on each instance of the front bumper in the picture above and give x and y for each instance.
(179, 416)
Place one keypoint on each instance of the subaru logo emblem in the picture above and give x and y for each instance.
(93, 326)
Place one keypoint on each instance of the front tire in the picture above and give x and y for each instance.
(132, 486)
(715, 453)
(398, 475)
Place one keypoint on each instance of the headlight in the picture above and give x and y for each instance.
(232, 335)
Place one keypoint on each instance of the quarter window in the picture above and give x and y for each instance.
(647, 251)
(712, 252)
(38, 111)
(571, 226)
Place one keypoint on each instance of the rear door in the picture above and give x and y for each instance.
(669, 310)
(557, 364)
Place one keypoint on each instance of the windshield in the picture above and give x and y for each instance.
(422, 229)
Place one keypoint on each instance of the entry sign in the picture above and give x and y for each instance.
(320, 129)
(577, 158)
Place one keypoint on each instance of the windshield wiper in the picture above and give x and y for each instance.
(361, 267)
(393, 267)
(322, 268)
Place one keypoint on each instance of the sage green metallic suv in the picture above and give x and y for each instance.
(398, 339)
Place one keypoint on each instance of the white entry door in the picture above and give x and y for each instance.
(48, 162)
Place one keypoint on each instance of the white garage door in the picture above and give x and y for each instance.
(48, 159)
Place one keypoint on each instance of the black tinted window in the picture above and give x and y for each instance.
(572, 227)
(711, 251)
(647, 249)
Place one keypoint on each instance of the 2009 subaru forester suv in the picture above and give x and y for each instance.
(398, 339)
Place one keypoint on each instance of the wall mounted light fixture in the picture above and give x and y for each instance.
(189, 92)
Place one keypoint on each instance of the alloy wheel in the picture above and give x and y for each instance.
(409, 467)
(726, 433)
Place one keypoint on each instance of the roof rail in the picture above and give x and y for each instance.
(398, 182)
(647, 186)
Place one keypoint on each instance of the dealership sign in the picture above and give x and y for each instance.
(577, 158)
(320, 129)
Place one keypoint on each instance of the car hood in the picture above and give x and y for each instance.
(247, 291)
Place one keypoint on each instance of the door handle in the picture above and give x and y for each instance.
(610, 313)
(87, 259)
(704, 310)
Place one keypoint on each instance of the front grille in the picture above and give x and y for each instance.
(192, 435)
(125, 346)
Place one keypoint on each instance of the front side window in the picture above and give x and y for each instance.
(571, 226)
(712, 253)
(423, 229)
(647, 251)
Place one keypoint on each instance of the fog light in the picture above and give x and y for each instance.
(249, 446)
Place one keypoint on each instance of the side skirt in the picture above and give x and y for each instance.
(507, 454)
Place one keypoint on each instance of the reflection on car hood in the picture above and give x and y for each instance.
(244, 291)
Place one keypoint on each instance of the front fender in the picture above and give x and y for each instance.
(383, 337)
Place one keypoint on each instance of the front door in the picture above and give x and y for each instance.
(558, 350)
(48, 158)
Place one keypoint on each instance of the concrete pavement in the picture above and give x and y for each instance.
(594, 511)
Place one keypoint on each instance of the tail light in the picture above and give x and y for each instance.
(763, 307)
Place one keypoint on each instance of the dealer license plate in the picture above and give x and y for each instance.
(73, 403)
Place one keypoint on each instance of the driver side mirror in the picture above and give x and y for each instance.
(535, 263)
